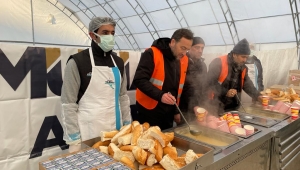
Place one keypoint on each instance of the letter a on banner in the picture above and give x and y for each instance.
(41, 142)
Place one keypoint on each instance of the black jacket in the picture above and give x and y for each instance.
(84, 65)
(193, 90)
(162, 114)
(232, 81)
(259, 81)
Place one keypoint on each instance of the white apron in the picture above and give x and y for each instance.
(99, 107)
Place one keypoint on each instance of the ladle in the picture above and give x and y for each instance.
(194, 132)
(240, 102)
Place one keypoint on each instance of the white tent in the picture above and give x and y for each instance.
(62, 25)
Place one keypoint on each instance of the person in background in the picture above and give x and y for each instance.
(227, 76)
(193, 91)
(255, 70)
(160, 77)
(94, 95)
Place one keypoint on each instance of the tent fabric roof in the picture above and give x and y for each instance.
(139, 22)
(260, 21)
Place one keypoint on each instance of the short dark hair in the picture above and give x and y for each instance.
(198, 40)
(183, 32)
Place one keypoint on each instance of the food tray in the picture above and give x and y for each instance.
(258, 111)
(211, 137)
(257, 120)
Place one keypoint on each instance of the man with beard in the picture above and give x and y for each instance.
(228, 76)
(160, 78)
(193, 91)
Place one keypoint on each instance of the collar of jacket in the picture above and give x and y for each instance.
(97, 51)
(163, 44)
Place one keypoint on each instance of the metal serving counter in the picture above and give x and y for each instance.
(285, 150)
(247, 154)
(274, 148)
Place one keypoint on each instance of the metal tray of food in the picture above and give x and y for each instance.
(247, 136)
(211, 137)
(257, 120)
(258, 111)
(183, 145)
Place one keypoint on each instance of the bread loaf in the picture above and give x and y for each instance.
(127, 148)
(110, 134)
(170, 136)
(112, 148)
(125, 130)
(140, 155)
(171, 151)
(100, 143)
(127, 162)
(146, 134)
(146, 126)
(119, 154)
(161, 137)
(146, 144)
(137, 132)
(103, 149)
(159, 151)
(150, 159)
(168, 163)
(125, 140)
(180, 161)
(134, 124)
(154, 167)
(190, 156)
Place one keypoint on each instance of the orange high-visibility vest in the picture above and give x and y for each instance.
(158, 77)
(224, 71)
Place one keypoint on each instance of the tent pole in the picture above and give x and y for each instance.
(32, 25)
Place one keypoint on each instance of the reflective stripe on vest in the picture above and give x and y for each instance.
(224, 71)
(158, 77)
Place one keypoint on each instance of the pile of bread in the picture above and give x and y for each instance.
(288, 95)
(142, 147)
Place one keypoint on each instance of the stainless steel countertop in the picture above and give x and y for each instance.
(265, 134)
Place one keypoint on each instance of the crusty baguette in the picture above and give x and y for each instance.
(146, 126)
(140, 155)
(137, 132)
(110, 134)
(154, 167)
(134, 124)
(150, 159)
(112, 148)
(125, 140)
(168, 163)
(161, 137)
(190, 156)
(169, 135)
(100, 143)
(119, 154)
(125, 130)
(127, 148)
(103, 149)
(159, 151)
(125, 160)
(146, 144)
(146, 134)
(171, 151)
(180, 161)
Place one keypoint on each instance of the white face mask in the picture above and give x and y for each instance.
(107, 42)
